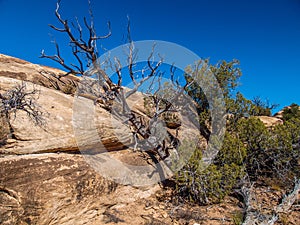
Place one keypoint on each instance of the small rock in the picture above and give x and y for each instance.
(10, 141)
(155, 207)
(148, 207)
(164, 215)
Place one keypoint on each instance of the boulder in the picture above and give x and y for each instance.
(43, 177)
(57, 135)
(270, 121)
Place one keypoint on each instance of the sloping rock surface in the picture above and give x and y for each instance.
(43, 177)
(26, 71)
(270, 121)
(57, 134)
(58, 189)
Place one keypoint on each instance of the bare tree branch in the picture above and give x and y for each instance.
(80, 47)
(149, 134)
(253, 216)
(20, 98)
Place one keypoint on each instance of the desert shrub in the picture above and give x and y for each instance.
(271, 151)
(261, 107)
(19, 98)
(237, 217)
(250, 148)
(204, 185)
(292, 126)
(68, 89)
(172, 119)
(293, 111)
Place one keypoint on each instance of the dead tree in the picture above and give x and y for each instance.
(253, 215)
(147, 136)
(81, 48)
(20, 98)
(111, 95)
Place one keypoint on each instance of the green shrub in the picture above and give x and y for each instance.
(204, 185)
(293, 111)
(271, 151)
(251, 149)
(237, 218)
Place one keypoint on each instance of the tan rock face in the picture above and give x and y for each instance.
(58, 189)
(70, 121)
(26, 71)
(43, 177)
(39, 184)
(270, 121)
(57, 134)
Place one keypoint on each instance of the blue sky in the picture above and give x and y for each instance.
(263, 34)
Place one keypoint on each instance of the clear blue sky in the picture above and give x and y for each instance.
(263, 34)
